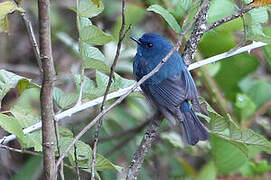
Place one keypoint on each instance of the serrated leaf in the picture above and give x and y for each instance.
(90, 8)
(67, 100)
(93, 35)
(25, 116)
(10, 80)
(227, 157)
(84, 152)
(6, 8)
(167, 16)
(226, 128)
(93, 57)
(11, 125)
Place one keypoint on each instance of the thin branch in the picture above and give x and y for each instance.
(144, 147)
(259, 112)
(46, 96)
(101, 114)
(132, 131)
(225, 55)
(76, 162)
(19, 150)
(121, 92)
(197, 33)
(236, 15)
(111, 75)
(61, 170)
(33, 40)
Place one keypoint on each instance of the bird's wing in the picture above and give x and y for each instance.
(174, 90)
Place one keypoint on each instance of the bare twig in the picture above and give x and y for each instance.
(76, 162)
(19, 150)
(61, 170)
(101, 114)
(33, 40)
(46, 97)
(200, 20)
(121, 92)
(229, 18)
(111, 75)
(259, 112)
(197, 33)
(144, 147)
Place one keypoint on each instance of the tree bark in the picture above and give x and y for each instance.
(46, 96)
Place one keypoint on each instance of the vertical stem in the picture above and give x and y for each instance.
(46, 96)
(144, 147)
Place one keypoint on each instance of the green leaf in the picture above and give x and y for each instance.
(10, 80)
(11, 125)
(260, 93)
(102, 163)
(93, 35)
(29, 169)
(207, 172)
(25, 116)
(220, 9)
(93, 58)
(226, 128)
(173, 138)
(245, 106)
(64, 100)
(167, 16)
(6, 8)
(84, 152)
(227, 157)
(90, 8)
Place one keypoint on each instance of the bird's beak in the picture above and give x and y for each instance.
(136, 40)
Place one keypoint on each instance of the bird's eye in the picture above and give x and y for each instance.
(149, 45)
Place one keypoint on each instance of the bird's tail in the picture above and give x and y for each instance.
(193, 128)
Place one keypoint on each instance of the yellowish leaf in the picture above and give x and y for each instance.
(97, 2)
(258, 3)
(6, 8)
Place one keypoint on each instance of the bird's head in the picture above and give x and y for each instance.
(152, 45)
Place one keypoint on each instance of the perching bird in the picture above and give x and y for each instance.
(172, 88)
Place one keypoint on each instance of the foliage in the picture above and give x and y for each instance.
(233, 147)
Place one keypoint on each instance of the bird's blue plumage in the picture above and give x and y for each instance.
(172, 88)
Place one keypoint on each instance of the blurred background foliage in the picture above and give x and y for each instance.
(238, 88)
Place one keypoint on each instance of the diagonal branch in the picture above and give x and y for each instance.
(111, 75)
(32, 39)
(197, 33)
(229, 18)
(144, 147)
(121, 92)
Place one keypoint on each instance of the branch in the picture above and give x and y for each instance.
(134, 87)
(46, 96)
(197, 33)
(225, 55)
(121, 92)
(96, 137)
(33, 40)
(144, 147)
(19, 150)
(229, 18)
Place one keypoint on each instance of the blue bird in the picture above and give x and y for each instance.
(172, 88)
